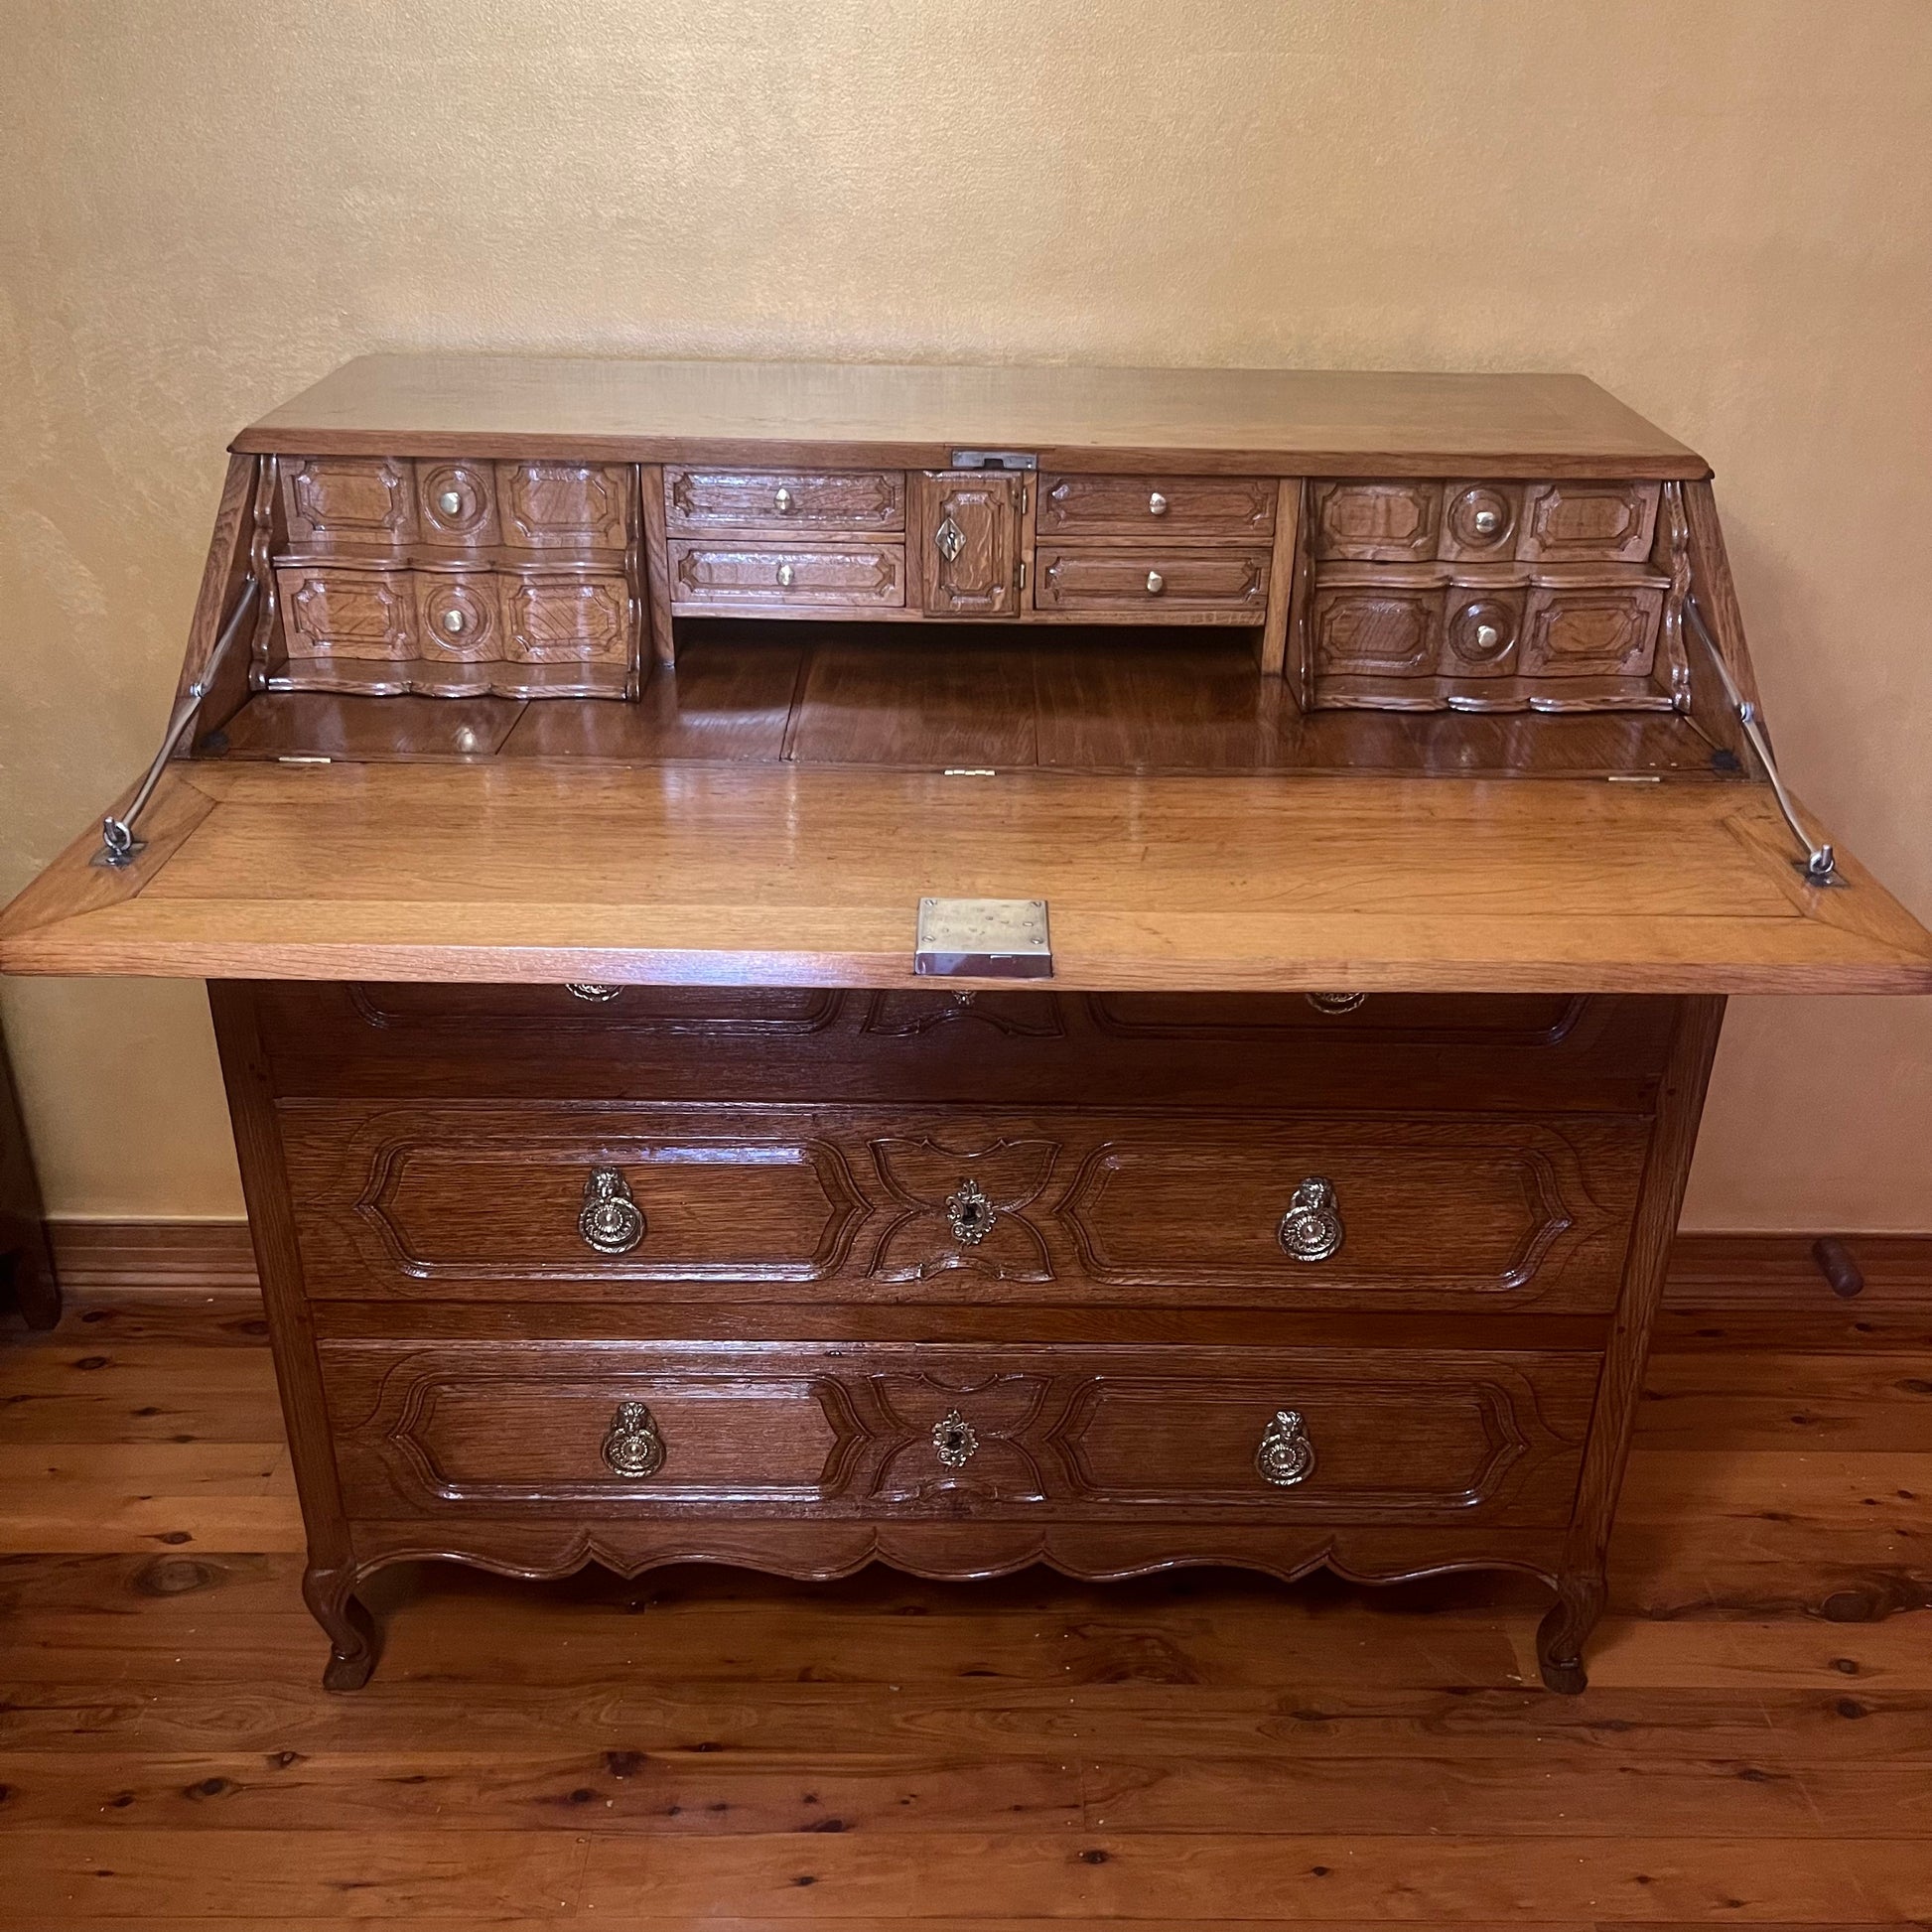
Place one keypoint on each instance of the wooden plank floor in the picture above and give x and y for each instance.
(706, 1747)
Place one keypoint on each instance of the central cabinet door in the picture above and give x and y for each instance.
(968, 535)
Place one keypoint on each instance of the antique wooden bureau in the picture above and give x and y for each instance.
(1166, 1024)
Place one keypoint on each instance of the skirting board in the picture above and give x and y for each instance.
(1708, 1271)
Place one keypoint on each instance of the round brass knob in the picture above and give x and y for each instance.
(785, 576)
(1156, 582)
(1487, 523)
(1487, 636)
(1312, 1228)
(1157, 504)
(782, 500)
(453, 623)
(450, 503)
(633, 1446)
(1285, 1456)
(610, 1220)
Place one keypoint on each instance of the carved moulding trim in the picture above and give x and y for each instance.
(957, 1553)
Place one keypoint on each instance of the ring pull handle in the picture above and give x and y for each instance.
(1285, 1456)
(609, 1222)
(633, 1445)
(1311, 1229)
(1337, 1001)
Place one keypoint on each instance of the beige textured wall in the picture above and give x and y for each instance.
(1724, 211)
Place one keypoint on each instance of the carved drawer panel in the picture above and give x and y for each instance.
(1591, 627)
(897, 1431)
(1379, 629)
(454, 633)
(1376, 523)
(392, 505)
(781, 499)
(717, 577)
(747, 1204)
(1161, 507)
(1589, 522)
(1152, 579)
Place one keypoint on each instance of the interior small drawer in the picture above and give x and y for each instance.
(782, 500)
(1157, 507)
(721, 577)
(1151, 580)
(885, 1430)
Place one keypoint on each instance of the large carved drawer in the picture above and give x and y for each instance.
(831, 1431)
(1462, 1212)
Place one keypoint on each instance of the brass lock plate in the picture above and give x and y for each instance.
(984, 938)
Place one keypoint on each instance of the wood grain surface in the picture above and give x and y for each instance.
(538, 870)
(1255, 422)
(714, 1748)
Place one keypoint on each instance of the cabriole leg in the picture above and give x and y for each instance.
(353, 1639)
(1568, 1621)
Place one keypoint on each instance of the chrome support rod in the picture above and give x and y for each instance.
(1819, 863)
(118, 845)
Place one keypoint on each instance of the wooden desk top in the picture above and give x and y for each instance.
(553, 870)
(1258, 422)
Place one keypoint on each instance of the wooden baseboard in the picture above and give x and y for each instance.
(166, 1257)
(1708, 1271)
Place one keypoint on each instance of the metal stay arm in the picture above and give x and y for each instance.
(1819, 865)
(118, 845)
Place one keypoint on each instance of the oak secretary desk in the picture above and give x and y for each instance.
(963, 967)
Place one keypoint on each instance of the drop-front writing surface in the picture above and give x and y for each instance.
(561, 754)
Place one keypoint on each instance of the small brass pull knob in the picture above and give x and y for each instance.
(954, 1439)
(1487, 636)
(591, 990)
(610, 1220)
(453, 623)
(1157, 504)
(1487, 523)
(1286, 1456)
(1156, 582)
(1337, 1001)
(633, 1446)
(450, 503)
(1312, 1228)
(783, 501)
(785, 576)
(969, 1213)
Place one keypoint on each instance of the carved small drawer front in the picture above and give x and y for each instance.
(1582, 627)
(342, 617)
(1157, 507)
(882, 1431)
(349, 502)
(344, 505)
(714, 576)
(1389, 627)
(1394, 522)
(1589, 522)
(1153, 581)
(968, 543)
(574, 507)
(771, 499)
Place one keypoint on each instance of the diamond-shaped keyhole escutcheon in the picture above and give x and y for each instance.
(949, 539)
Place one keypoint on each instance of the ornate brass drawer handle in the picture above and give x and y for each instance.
(633, 1447)
(1312, 1228)
(1337, 1001)
(954, 1439)
(969, 1213)
(609, 1222)
(591, 990)
(1285, 1456)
